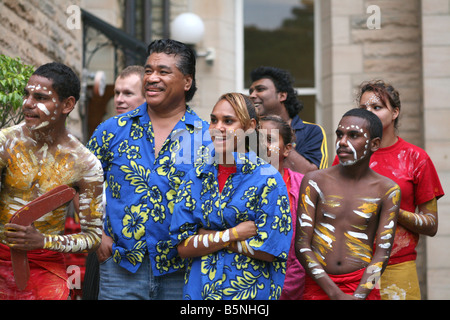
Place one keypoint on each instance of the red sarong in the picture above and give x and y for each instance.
(48, 277)
(348, 283)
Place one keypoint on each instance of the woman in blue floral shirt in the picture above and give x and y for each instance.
(231, 215)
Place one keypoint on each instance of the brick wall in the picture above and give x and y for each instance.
(354, 53)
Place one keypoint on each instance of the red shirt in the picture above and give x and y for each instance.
(224, 173)
(412, 169)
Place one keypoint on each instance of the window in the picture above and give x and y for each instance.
(280, 33)
(146, 20)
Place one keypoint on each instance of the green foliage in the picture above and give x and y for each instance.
(14, 75)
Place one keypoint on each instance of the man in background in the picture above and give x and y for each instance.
(272, 93)
(128, 89)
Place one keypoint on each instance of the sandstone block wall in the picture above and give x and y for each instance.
(37, 32)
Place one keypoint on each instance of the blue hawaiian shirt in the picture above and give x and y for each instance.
(141, 188)
(255, 192)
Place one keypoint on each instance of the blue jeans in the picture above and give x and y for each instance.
(117, 283)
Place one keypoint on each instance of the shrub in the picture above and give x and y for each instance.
(14, 75)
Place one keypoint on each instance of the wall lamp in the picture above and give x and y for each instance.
(189, 29)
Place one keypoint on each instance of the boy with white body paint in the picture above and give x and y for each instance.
(35, 157)
(413, 170)
(342, 211)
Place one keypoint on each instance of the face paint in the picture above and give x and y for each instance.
(371, 102)
(43, 108)
(354, 154)
(351, 147)
(41, 125)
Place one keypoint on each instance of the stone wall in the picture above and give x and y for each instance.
(355, 53)
(37, 32)
(436, 79)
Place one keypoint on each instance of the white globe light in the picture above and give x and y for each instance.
(187, 28)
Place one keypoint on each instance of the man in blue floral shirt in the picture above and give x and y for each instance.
(145, 155)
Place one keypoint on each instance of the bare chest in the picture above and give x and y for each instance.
(30, 166)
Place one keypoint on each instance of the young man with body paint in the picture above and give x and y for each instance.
(343, 210)
(35, 157)
(413, 170)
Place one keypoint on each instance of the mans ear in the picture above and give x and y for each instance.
(282, 96)
(188, 82)
(68, 105)
(376, 142)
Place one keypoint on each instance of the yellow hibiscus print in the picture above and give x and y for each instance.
(134, 221)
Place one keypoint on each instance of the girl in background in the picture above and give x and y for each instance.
(279, 142)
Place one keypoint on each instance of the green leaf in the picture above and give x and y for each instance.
(14, 75)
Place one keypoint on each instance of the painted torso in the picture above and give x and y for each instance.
(31, 168)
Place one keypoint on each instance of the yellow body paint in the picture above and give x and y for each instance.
(235, 233)
(186, 242)
(375, 275)
(32, 168)
(322, 242)
(332, 201)
(358, 249)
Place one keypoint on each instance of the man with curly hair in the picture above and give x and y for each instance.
(272, 93)
(145, 154)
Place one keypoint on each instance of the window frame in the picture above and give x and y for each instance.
(301, 91)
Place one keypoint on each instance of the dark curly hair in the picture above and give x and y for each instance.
(65, 82)
(283, 82)
(186, 63)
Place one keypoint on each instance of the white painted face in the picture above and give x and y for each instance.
(41, 103)
(352, 140)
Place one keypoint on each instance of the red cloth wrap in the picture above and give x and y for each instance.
(48, 277)
(348, 283)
